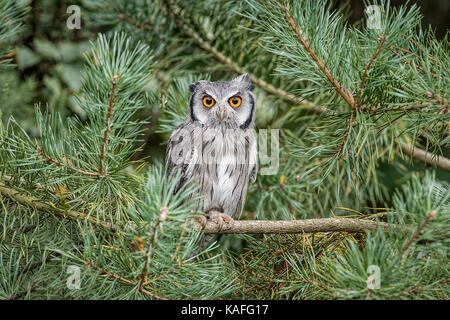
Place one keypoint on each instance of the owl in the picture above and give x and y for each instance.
(215, 147)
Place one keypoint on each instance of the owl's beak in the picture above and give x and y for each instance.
(221, 114)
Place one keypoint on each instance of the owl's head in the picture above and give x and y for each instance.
(223, 104)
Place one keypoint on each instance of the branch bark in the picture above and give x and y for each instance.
(422, 155)
(297, 226)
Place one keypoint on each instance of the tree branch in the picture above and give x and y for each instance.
(148, 253)
(234, 66)
(239, 226)
(417, 233)
(347, 131)
(105, 273)
(297, 226)
(422, 155)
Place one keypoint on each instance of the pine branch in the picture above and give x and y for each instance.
(133, 23)
(417, 153)
(417, 233)
(42, 206)
(266, 86)
(66, 164)
(162, 217)
(105, 273)
(347, 131)
(243, 226)
(366, 70)
(409, 62)
(112, 100)
(346, 95)
(356, 105)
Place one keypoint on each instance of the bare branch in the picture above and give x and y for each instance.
(422, 155)
(244, 226)
(297, 226)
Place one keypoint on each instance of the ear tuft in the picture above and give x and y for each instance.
(244, 79)
(192, 86)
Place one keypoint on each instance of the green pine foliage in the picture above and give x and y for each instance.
(82, 181)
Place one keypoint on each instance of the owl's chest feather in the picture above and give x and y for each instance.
(224, 162)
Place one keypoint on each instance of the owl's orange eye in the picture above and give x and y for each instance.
(235, 101)
(208, 101)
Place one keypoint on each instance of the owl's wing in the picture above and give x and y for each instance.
(179, 155)
(253, 157)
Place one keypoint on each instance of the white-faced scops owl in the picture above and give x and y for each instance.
(215, 147)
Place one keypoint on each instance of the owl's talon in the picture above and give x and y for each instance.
(220, 218)
(202, 220)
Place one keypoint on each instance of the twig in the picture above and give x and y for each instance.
(438, 99)
(162, 217)
(409, 62)
(376, 215)
(122, 279)
(366, 70)
(112, 100)
(39, 205)
(9, 55)
(66, 164)
(133, 23)
(356, 105)
(347, 131)
(422, 155)
(417, 233)
(297, 226)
